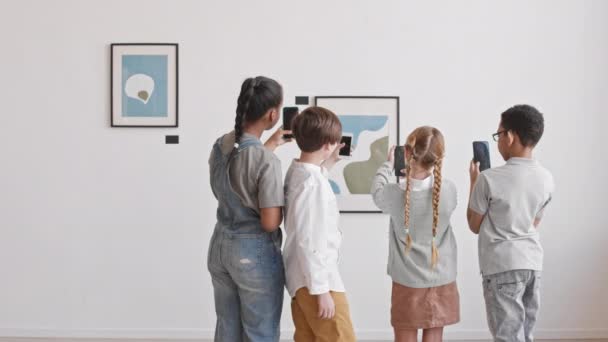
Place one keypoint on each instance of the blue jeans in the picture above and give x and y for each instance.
(512, 303)
(248, 284)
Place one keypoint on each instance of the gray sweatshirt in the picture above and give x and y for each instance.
(414, 269)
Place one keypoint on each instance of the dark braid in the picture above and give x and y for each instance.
(247, 92)
(257, 96)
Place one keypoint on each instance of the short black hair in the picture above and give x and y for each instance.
(526, 121)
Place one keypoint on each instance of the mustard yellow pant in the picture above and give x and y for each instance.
(310, 328)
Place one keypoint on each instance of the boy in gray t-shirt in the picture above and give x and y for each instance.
(505, 208)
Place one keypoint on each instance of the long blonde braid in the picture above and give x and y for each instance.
(436, 195)
(427, 148)
(408, 190)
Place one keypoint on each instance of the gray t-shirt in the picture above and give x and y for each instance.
(511, 197)
(414, 268)
(255, 175)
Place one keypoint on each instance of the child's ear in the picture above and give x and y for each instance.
(511, 137)
(273, 114)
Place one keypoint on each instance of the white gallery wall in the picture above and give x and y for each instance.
(104, 231)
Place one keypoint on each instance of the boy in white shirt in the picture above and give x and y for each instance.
(319, 306)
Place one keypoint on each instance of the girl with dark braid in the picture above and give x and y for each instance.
(422, 246)
(244, 257)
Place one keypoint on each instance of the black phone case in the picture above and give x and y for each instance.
(288, 114)
(399, 160)
(481, 154)
(345, 151)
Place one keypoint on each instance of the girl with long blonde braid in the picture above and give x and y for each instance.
(422, 246)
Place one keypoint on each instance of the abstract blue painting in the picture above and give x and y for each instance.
(144, 84)
(373, 124)
(355, 124)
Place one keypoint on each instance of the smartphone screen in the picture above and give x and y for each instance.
(345, 151)
(481, 154)
(399, 160)
(288, 114)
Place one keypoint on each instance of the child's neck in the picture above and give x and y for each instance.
(311, 158)
(420, 173)
(254, 129)
(521, 152)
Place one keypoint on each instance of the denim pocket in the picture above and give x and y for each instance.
(537, 281)
(211, 257)
(511, 289)
(246, 253)
(486, 284)
(270, 255)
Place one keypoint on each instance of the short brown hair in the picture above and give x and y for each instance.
(315, 127)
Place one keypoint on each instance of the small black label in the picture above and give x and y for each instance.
(301, 100)
(172, 139)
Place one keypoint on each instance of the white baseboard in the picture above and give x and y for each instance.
(456, 335)
(198, 334)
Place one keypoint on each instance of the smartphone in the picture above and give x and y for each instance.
(399, 160)
(481, 154)
(288, 114)
(346, 150)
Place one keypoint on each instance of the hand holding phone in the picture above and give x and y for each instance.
(345, 151)
(288, 114)
(481, 154)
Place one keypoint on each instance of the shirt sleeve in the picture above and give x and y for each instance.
(550, 191)
(382, 192)
(270, 185)
(480, 197)
(541, 212)
(312, 239)
(454, 192)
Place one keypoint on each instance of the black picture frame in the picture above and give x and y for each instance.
(397, 126)
(175, 107)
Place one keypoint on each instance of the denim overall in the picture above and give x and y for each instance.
(245, 262)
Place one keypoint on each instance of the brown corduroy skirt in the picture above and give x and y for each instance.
(424, 308)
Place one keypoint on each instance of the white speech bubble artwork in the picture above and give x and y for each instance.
(140, 87)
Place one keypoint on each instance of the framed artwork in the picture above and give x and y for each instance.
(373, 123)
(144, 85)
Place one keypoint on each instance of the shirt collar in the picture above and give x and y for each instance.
(521, 161)
(249, 136)
(419, 184)
(308, 166)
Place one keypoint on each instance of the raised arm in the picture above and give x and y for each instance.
(382, 192)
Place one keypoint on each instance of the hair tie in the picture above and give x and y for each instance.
(256, 82)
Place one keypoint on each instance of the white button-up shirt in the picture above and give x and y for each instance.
(312, 245)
